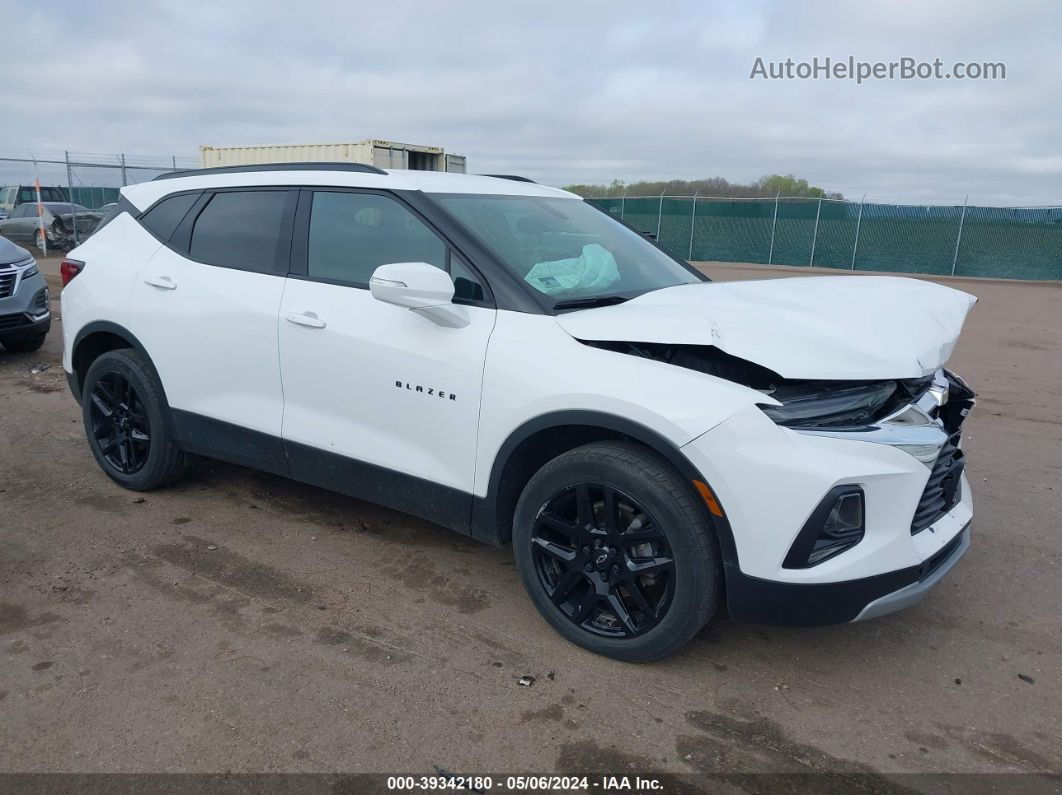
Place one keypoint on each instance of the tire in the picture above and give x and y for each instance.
(27, 345)
(651, 500)
(141, 412)
(38, 240)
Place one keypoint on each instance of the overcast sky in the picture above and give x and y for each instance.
(562, 92)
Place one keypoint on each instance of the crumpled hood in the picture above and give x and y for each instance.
(812, 327)
(10, 253)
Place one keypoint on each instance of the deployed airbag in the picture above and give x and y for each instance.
(595, 269)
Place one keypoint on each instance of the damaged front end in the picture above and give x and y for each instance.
(67, 231)
(923, 417)
(917, 415)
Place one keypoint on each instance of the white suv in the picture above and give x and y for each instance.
(507, 361)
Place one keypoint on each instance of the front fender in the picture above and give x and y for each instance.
(535, 369)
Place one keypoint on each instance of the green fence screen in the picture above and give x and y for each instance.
(93, 198)
(1001, 242)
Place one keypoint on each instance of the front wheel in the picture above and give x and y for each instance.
(127, 422)
(616, 552)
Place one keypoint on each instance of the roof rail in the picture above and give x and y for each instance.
(195, 172)
(513, 177)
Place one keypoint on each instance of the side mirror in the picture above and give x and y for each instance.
(421, 288)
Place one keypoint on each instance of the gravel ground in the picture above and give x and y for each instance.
(240, 622)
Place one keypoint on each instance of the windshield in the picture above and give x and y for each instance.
(566, 249)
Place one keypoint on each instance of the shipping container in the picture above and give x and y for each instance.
(383, 154)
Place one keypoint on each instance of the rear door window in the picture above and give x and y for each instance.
(242, 230)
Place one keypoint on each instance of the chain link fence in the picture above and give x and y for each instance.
(91, 180)
(961, 240)
(1000, 242)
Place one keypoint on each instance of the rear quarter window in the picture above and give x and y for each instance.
(164, 218)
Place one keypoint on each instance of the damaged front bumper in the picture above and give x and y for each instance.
(772, 482)
(62, 235)
(62, 239)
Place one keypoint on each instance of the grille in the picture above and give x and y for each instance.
(942, 489)
(13, 321)
(7, 284)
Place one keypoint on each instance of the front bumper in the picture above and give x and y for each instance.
(64, 240)
(787, 604)
(25, 313)
(769, 481)
(23, 326)
(930, 573)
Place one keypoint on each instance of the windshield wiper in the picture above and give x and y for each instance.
(590, 301)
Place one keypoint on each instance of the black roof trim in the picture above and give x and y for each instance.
(513, 177)
(195, 172)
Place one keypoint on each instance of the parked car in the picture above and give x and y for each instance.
(505, 360)
(11, 196)
(25, 314)
(23, 226)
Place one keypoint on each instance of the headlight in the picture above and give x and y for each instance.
(30, 271)
(823, 405)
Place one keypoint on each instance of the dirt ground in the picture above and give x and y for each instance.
(241, 622)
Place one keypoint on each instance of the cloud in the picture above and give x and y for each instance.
(562, 92)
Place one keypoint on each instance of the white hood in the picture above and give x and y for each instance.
(812, 327)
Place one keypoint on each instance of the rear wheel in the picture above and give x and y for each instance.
(26, 345)
(616, 552)
(127, 422)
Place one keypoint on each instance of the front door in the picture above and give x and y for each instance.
(379, 402)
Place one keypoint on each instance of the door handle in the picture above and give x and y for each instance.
(162, 282)
(305, 319)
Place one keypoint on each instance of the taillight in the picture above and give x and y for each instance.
(69, 268)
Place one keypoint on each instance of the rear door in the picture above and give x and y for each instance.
(205, 307)
(374, 391)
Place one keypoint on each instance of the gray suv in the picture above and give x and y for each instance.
(25, 314)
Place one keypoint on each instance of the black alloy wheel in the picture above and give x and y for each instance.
(119, 423)
(128, 422)
(617, 551)
(603, 560)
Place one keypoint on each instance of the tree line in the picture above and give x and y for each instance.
(770, 185)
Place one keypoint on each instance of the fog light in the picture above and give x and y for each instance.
(834, 526)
